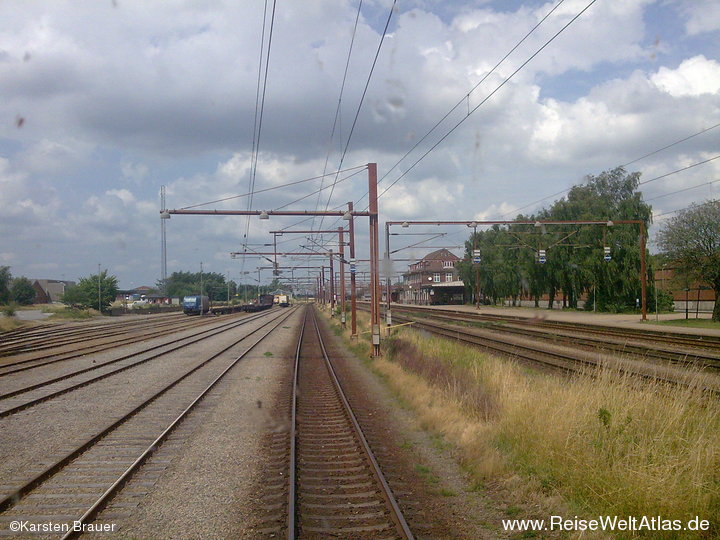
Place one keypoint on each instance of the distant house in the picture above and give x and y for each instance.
(50, 290)
(144, 294)
(434, 279)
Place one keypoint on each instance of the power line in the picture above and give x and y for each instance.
(626, 164)
(682, 190)
(488, 96)
(342, 90)
(467, 95)
(319, 190)
(259, 117)
(362, 99)
(670, 145)
(276, 187)
(673, 211)
(679, 170)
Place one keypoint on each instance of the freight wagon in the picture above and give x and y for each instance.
(264, 302)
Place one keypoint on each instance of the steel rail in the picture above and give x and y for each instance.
(698, 340)
(14, 347)
(19, 492)
(97, 506)
(82, 351)
(292, 469)
(566, 361)
(593, 342)
(396, 514)
(200, 337)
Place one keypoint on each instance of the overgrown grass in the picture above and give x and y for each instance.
(604, 442)
(599, 443)
(10, 323)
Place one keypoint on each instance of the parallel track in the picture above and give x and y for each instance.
(133, 336)
(57, 335)
(592, 338)
(565, 359)
(20, 399)
(76, 487)
(675, 339)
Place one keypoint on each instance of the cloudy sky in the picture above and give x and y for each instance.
(103, 102)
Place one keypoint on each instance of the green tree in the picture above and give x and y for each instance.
(574, 263)
(5, 280)
(691, 240)
(93, 290)
(188, 283)
(22, 291)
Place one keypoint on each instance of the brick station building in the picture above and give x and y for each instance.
(434, 279)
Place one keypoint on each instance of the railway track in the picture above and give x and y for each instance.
(47, 337)
(75, 487)
(703, 354)
(21, 398)
(334, 486)
(675, 339)
(564, 358)
(24, 362)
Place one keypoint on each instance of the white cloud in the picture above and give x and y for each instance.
(120, 100)
(694, 76)
(123, 194)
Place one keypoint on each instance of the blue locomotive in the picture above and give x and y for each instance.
(196, 304)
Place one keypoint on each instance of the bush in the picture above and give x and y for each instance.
(9, 310)
(665, 302)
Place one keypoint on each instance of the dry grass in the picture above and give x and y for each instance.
(9, 323)
(602, 443)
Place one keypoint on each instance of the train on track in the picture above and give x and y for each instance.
(265, 301)
(282, 300)
(195, 304)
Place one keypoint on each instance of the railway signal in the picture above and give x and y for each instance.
(541, 256)
(607, 255)
(476, 256)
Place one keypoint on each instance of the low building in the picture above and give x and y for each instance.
(688, 295)
(48, 291)
(434, 279)
(144, 294)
